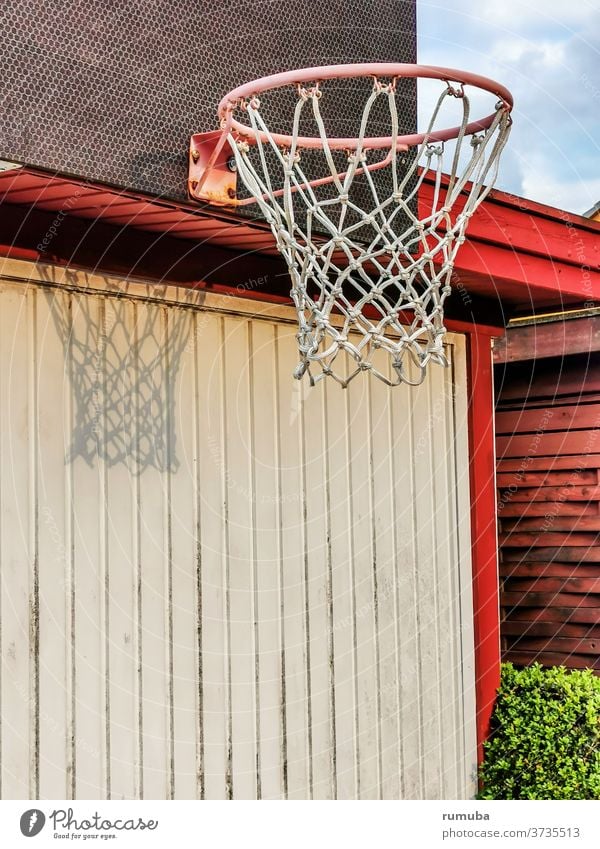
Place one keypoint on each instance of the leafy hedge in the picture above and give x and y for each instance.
(545, 740)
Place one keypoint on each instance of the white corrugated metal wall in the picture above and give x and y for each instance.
(217, 582)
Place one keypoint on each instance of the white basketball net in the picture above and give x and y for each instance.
(384, 292)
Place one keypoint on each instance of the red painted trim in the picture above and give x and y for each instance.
(517, 251)
(537, 276)
(486, 603)
(527, 227)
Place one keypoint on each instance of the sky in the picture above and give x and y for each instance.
(547, 52)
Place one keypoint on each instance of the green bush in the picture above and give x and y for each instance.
(545, 740)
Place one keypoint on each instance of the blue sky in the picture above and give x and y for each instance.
(547, 52)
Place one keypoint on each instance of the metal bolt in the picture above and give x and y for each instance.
(232, 164)
(231, 192)
(195, 155)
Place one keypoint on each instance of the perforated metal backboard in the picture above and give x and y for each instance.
(112, 91)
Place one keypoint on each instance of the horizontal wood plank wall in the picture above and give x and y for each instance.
(218, 582)
(548, 478)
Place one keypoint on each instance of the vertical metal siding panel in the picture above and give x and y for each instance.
(106, 426)
(154, 626)
(184, 553)
(226, 572)
(459, 512)
(240, 532)
(317, 608)
(18, 700)
(346, 750)
(426, 585)
(400, 434)
(121, 553)
(198, 568)
(366, 600)
(409, 634)
(52, 434)
(291, 398)
(213, 505)
(353, 706)
(279, 567)
(34, 600)
(168, 544)
(88, 578)
(375, 581)
(71, 730)
(267, 556)
(329, 598)
(136, 425)
(451, 592)
(3, 404)
(382, 484)
(153, 557)
(446, 570)
(459, 477)
(409, 648)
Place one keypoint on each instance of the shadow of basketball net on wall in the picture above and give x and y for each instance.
(122, 358)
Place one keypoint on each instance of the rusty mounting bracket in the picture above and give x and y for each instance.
(211, 179)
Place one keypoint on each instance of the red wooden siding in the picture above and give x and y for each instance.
(548, 482)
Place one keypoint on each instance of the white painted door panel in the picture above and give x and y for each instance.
(218, 582)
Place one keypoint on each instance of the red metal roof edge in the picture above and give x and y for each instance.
(193, 208)
(530, 244)
(543, 210)
(191, 211)
(523, 204)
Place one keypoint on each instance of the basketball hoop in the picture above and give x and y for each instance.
(363, 280)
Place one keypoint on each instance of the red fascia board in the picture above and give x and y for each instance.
(544, 251)
(541, 210)
(536, 274)
(561, 240)
(521, 214)
(515, 240)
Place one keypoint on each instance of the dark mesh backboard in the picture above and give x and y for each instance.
(111, 90)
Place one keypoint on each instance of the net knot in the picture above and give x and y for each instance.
(306, 93)
(300, 370)
(384, 87)
(432, 149)
(357, 157)
(456, 90)
(291, 160)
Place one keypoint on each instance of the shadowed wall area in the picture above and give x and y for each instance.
(121, 363)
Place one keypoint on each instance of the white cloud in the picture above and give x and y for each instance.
(518, 14)
(576, 196)
(542, 182)
(548, 54)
